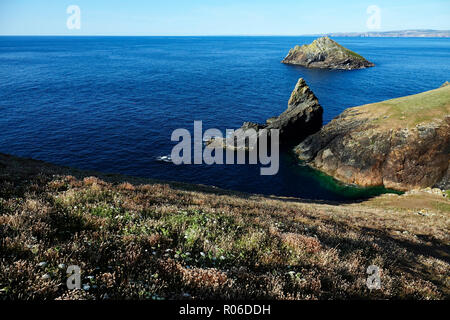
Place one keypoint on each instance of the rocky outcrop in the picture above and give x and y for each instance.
(325, 53)
(302, 118)
(401, 144)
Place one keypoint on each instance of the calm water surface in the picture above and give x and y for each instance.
(111, 103)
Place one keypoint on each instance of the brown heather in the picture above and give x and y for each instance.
(142, 239)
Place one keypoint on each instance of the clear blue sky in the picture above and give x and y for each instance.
(214, 17)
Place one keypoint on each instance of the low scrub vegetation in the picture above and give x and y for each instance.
(170, 241)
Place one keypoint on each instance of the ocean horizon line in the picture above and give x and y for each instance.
(349, 34)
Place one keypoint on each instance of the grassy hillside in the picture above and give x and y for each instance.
(143, 239)
(409, 111)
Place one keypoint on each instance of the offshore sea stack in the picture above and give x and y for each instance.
(325, 53)
(302, 118)
(401, 144)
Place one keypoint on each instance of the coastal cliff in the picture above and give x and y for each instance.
(325, 53)
(401, 144)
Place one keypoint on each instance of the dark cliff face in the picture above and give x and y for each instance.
(325, 53)
(371, 146)
(302, 118)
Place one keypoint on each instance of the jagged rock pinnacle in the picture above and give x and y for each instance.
(301, 94)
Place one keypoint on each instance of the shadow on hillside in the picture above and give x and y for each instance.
(398, 253)
(23, 170)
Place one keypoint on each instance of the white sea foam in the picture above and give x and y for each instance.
(164, 159)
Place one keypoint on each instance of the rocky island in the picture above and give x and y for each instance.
(401, 144)
(325, 53)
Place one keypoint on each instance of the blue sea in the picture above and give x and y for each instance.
(111, 103)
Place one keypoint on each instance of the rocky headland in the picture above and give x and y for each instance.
(325, 53)
(401, 144)
(302, 118)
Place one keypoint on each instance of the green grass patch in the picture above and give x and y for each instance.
(106, 211)
(444, 207)
(415, 109)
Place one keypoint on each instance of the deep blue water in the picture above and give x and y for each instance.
(111, 103)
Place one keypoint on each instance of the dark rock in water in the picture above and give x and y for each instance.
(325, 53)
(302, 118)
(401, 144)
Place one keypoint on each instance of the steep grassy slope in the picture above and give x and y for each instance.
(142, 239)
(409, 111)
